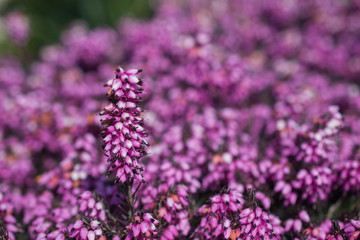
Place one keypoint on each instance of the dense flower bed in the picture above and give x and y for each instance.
(244, 124)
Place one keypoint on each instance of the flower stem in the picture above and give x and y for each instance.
(130, 199)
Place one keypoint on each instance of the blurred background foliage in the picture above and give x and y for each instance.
(49, 18)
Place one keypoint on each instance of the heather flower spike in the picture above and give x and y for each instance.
(123, 134)
(220, 217)
(257, 223)
(143, 227)
(86, 229)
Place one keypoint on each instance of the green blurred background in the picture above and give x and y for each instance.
(49, 18)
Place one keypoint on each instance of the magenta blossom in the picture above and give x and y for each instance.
(18, 27)
(123, 134)
(84, 230)
(221, 216)
(142, 227)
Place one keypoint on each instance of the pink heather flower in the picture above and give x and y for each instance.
(258, 224)
(279, 173)
(86, 230)
(349, 172)
(9, 222)
(296, 225)
(337, 231)
(287, 192)
(334, 237)
(89, 48)
(174, 211)
(293, 225)
(311, 145)
(178, 228)
(276, 224)
(220, 217)
(352, 229)
(315, 184)
(180, 172)
(17, 26)
(142, 227)
(91, 207)
(174, 203)
(319, 232)
(77, 165)
(304, 216)
(56, 235)
(123, 134)
(265, 200)
(319, 143)
(171, 205)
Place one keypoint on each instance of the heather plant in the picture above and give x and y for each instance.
(244, 124)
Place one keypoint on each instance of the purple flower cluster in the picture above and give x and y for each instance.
(17, 27)
(258, 224)
(124, 141)
(237, 95)
(142, 227)
(221, 216)
(227, 217)
(352, 229)
(86, 230)
(8, 221)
